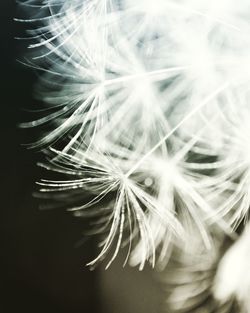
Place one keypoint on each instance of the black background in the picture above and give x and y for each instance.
(43, 270)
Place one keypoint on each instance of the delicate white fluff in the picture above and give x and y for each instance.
(188, 279)
(233, 274)
(156, 93)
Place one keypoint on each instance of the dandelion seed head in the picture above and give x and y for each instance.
(143, 102)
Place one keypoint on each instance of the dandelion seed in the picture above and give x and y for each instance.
(147, 111)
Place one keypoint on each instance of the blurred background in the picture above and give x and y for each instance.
(42, 253)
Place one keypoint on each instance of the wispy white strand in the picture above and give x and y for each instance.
(148, 106)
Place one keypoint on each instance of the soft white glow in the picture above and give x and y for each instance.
(149, 101)
(233, 274)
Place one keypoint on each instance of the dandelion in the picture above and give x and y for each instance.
(147, 121)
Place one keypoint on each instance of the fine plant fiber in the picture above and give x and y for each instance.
(146, 130)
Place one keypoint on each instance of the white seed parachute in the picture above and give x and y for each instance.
(147, 111)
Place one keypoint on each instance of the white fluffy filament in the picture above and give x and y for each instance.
(148, 112)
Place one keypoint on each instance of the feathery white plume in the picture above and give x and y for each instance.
(148, 108)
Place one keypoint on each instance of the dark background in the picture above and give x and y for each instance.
(42, 267)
